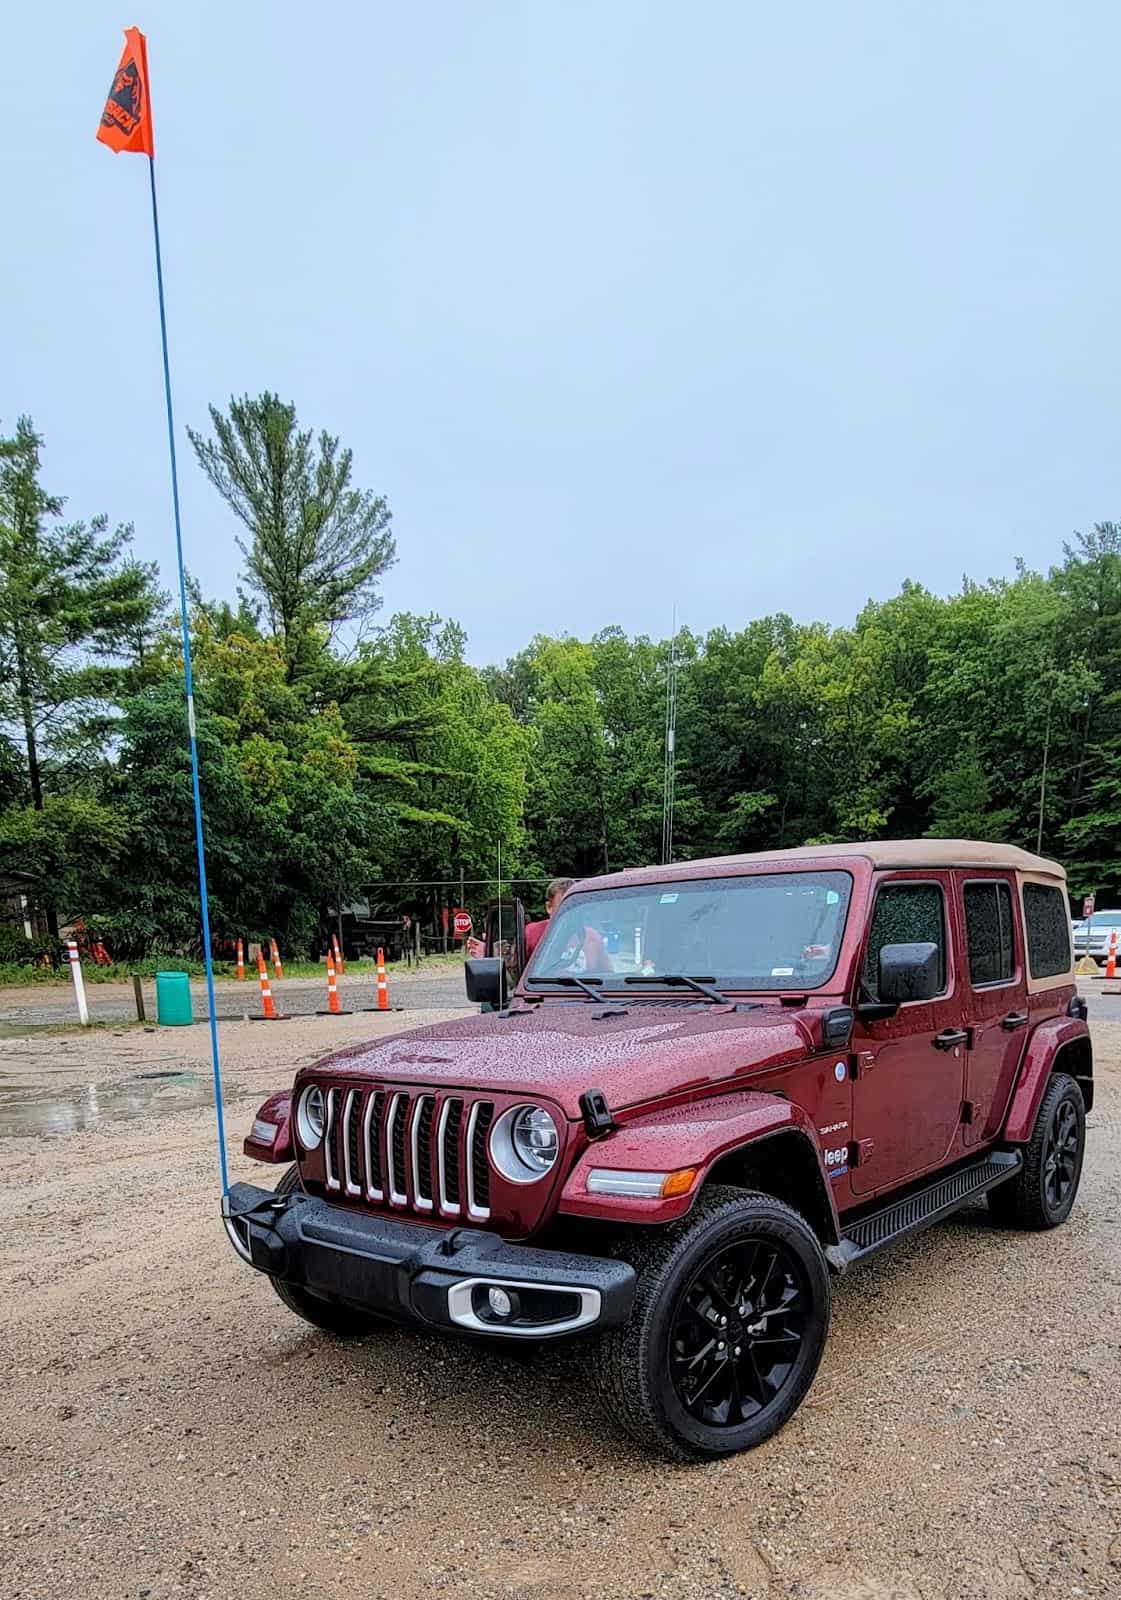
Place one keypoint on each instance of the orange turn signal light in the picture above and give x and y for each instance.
(679, 1182)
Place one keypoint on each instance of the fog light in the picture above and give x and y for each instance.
(500, 1303)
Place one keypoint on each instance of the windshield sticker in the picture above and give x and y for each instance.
(667, 899)
(782, 972)
(831, 897)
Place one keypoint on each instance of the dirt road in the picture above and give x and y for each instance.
(168, 1430)
(39, 1004)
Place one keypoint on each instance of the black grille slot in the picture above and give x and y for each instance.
(450, 1154)
(422, 1177)
(353, 1118)
(477, 1155)
(400, 1122)
(373, 1143)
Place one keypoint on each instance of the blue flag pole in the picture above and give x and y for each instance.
(204, 904)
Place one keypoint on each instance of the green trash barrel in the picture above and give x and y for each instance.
(173, 999)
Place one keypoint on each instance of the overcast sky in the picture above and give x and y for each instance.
(744, 307)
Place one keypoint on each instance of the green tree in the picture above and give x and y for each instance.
(72, 604)
(317, 546)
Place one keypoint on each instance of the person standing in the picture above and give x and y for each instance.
(554, 894)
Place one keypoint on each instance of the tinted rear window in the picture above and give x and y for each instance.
(1048, 928)
(988, 932)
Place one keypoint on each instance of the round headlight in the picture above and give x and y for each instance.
(311, 1116)
(524, 1144)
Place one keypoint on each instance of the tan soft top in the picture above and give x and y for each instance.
(896, 853)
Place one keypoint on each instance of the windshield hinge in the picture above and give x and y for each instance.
(596, 1113)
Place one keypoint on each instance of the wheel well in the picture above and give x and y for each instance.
(1077, 1058)
(784, 1165)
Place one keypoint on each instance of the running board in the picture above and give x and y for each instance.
(925, 1206)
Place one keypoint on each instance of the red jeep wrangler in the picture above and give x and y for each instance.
(717, 1084)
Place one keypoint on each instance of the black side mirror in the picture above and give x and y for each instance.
(486, 981)
(909, 972)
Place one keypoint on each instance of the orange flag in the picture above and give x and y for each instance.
(126, 122)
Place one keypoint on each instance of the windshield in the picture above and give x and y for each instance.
(772, 931)
(1105, 919)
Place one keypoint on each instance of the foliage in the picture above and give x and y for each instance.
(329, 776)
(317, 546)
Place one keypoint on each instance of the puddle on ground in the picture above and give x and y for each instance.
(25, 1113)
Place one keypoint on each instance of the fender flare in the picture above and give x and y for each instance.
(700, 1135)
(277, 1109)
(1046, 1043)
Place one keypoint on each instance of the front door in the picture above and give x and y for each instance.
(994, 999)
(908, 1092)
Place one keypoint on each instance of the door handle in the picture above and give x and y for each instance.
(949, 1037)
(1014, 1020)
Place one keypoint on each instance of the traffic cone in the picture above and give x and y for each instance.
(340, 964)
(383, 986)
(1111, 959)
(241, 960)
(334, 1009)
(277, 968)
(268, 1010)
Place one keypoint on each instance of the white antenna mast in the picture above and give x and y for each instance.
(670, 773)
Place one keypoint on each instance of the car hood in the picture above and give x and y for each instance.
(561, 1050)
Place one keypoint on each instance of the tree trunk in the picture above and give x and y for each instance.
(34, 774)
(27, 711)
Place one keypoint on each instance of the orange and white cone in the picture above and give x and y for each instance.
(383, 985)
(277, 968)
(340, 964)
(334, 1009)
(241, 960)
(268, 1010)
(1111, 959)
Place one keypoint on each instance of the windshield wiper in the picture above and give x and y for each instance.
(574, 983)
(703, 986)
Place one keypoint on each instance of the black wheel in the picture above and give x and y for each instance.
(728, 1327)
(1042, 1193)
(330, 1315)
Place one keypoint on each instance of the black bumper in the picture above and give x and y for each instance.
(435, 1277)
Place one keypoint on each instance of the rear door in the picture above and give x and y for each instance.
(994, 998)
(908, 1090)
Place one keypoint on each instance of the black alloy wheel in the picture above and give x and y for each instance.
(729, 1322)
(738, 1331)
(1043, 1191)
(1062, 1156)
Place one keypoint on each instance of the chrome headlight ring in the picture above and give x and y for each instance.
(524, 1144)
(311, 1116)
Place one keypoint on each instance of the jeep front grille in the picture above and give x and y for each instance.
(425, 1153)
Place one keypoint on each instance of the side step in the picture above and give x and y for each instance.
(925, 1206)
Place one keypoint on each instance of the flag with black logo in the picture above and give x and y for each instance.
(126, 122)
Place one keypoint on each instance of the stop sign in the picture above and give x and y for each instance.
(461, 922)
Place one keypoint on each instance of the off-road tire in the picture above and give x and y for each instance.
(1023, 1201)
(331, 1315)
(631, 1364)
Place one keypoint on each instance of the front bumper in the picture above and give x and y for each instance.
(434, 1277)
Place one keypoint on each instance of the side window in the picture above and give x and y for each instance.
(988, 932)
(1048, 926)
(905, 913)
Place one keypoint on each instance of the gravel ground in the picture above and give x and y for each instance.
(168, 1430)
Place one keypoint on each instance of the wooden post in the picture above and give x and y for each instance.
(138, 992)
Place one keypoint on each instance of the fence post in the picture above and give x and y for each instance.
(79, 982)
(138, 993)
